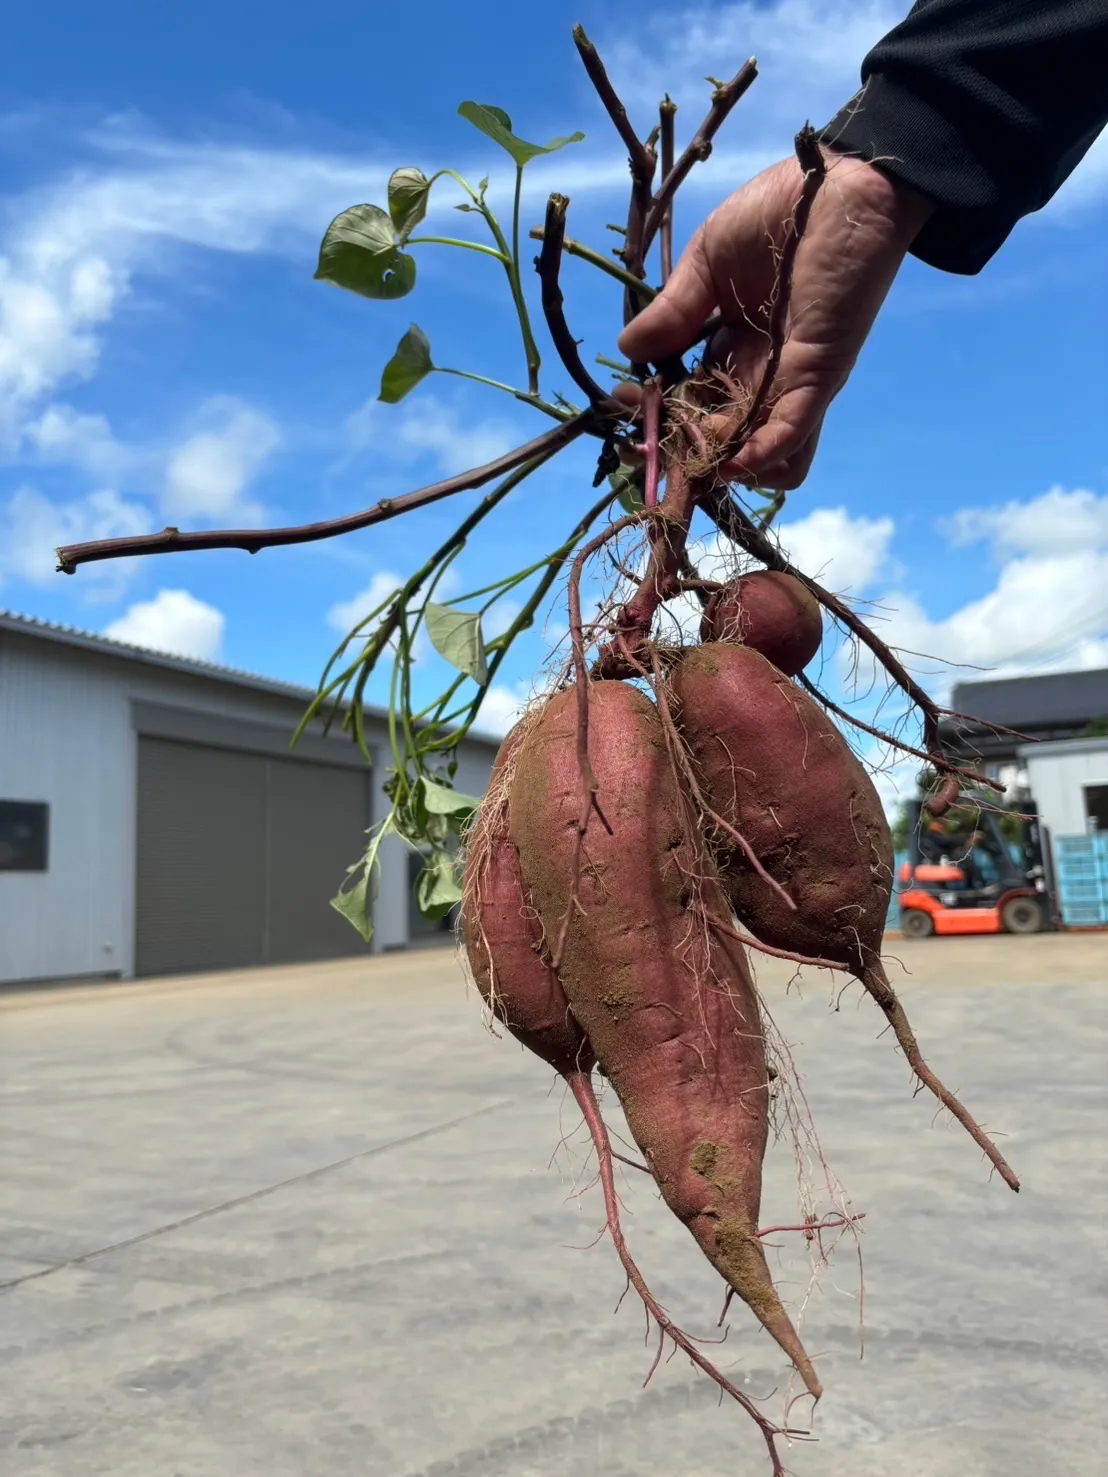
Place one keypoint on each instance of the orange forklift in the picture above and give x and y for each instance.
(957, 881)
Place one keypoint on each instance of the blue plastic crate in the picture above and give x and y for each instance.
(1100, 845)
(1080, 892)
(1079, 868)
(1086, 915)
(1071, 846)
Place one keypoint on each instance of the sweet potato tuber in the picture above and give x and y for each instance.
(775, 767)
(667, 1001)
(509, 964)
(503, 939)
(771, 612)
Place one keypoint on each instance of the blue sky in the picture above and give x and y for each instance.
(165, 356)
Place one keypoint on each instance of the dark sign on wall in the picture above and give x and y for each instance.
(24, 830)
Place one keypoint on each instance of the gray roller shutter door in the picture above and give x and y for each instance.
(238, 854)
(318, 816)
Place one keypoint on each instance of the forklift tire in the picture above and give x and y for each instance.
(1022, 915)
(916, 924)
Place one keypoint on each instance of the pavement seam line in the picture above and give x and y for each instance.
(296, 1179)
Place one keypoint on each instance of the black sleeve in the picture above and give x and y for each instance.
(984, 106)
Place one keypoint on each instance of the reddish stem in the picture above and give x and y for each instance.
(581, 1087)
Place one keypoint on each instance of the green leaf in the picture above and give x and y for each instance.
(456, 636)
(441, 799)
(627, 484)
(436, 888)
(410, 364)
(353, 902)
(494, 123)
(359, 252)
(408, 192)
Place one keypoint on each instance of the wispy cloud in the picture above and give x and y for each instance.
(427, 427)
(208, 474)
(32, 527)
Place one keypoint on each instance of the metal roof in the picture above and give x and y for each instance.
(26, 625)
(1057, 700)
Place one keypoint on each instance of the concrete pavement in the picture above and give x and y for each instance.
(340, 1245)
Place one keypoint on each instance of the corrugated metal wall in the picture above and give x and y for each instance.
(67, 737)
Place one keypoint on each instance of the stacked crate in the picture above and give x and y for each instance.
(1081, 870)
(893, 920)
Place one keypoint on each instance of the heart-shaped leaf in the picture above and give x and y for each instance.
(359, 252)
(456, 636)
(355, 902)
(441, 799)
(411, 363)
(494, 123)
(408, 192)
(436, 889)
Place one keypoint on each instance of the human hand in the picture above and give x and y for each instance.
(861, 225)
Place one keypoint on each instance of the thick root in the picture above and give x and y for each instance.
(580, 1084)
(878, 986)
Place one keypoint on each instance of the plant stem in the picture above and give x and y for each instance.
(172, 541)
(666, 113)
(623, 370)
(525, 618)
(549, 266)
(530, 348)
(594, 258)
(724, 98)
(454, 241)
(528, 399)
(445, 551)
(510, 260)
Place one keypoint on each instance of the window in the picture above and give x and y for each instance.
(24, 826)
(1096, 807)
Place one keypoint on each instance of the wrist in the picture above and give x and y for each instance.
(906, 210)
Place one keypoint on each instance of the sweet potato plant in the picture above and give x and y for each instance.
(667, 807)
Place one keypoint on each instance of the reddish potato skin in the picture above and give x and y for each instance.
(685, 1054)
(776, 768)
(503, 940)
(770, 612)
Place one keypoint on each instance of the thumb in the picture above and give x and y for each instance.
(672, 321)
(795, 421)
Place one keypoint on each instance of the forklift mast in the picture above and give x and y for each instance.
(1024, 872)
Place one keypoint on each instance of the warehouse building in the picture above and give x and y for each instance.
(153, 818)
(1053, 708)
(1063, 773)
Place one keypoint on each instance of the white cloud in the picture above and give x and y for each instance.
(32, 527)
(344, 615)
(427, 427)
(502, 708)
(49, 311)
(497, 619)
(1047, 613)
(174, 622)
(809, 54)
(845, 554)
(208, 473)
(62, 434)
(1058, 522)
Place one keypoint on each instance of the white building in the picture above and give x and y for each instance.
(154, 819)
(1069, 781)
